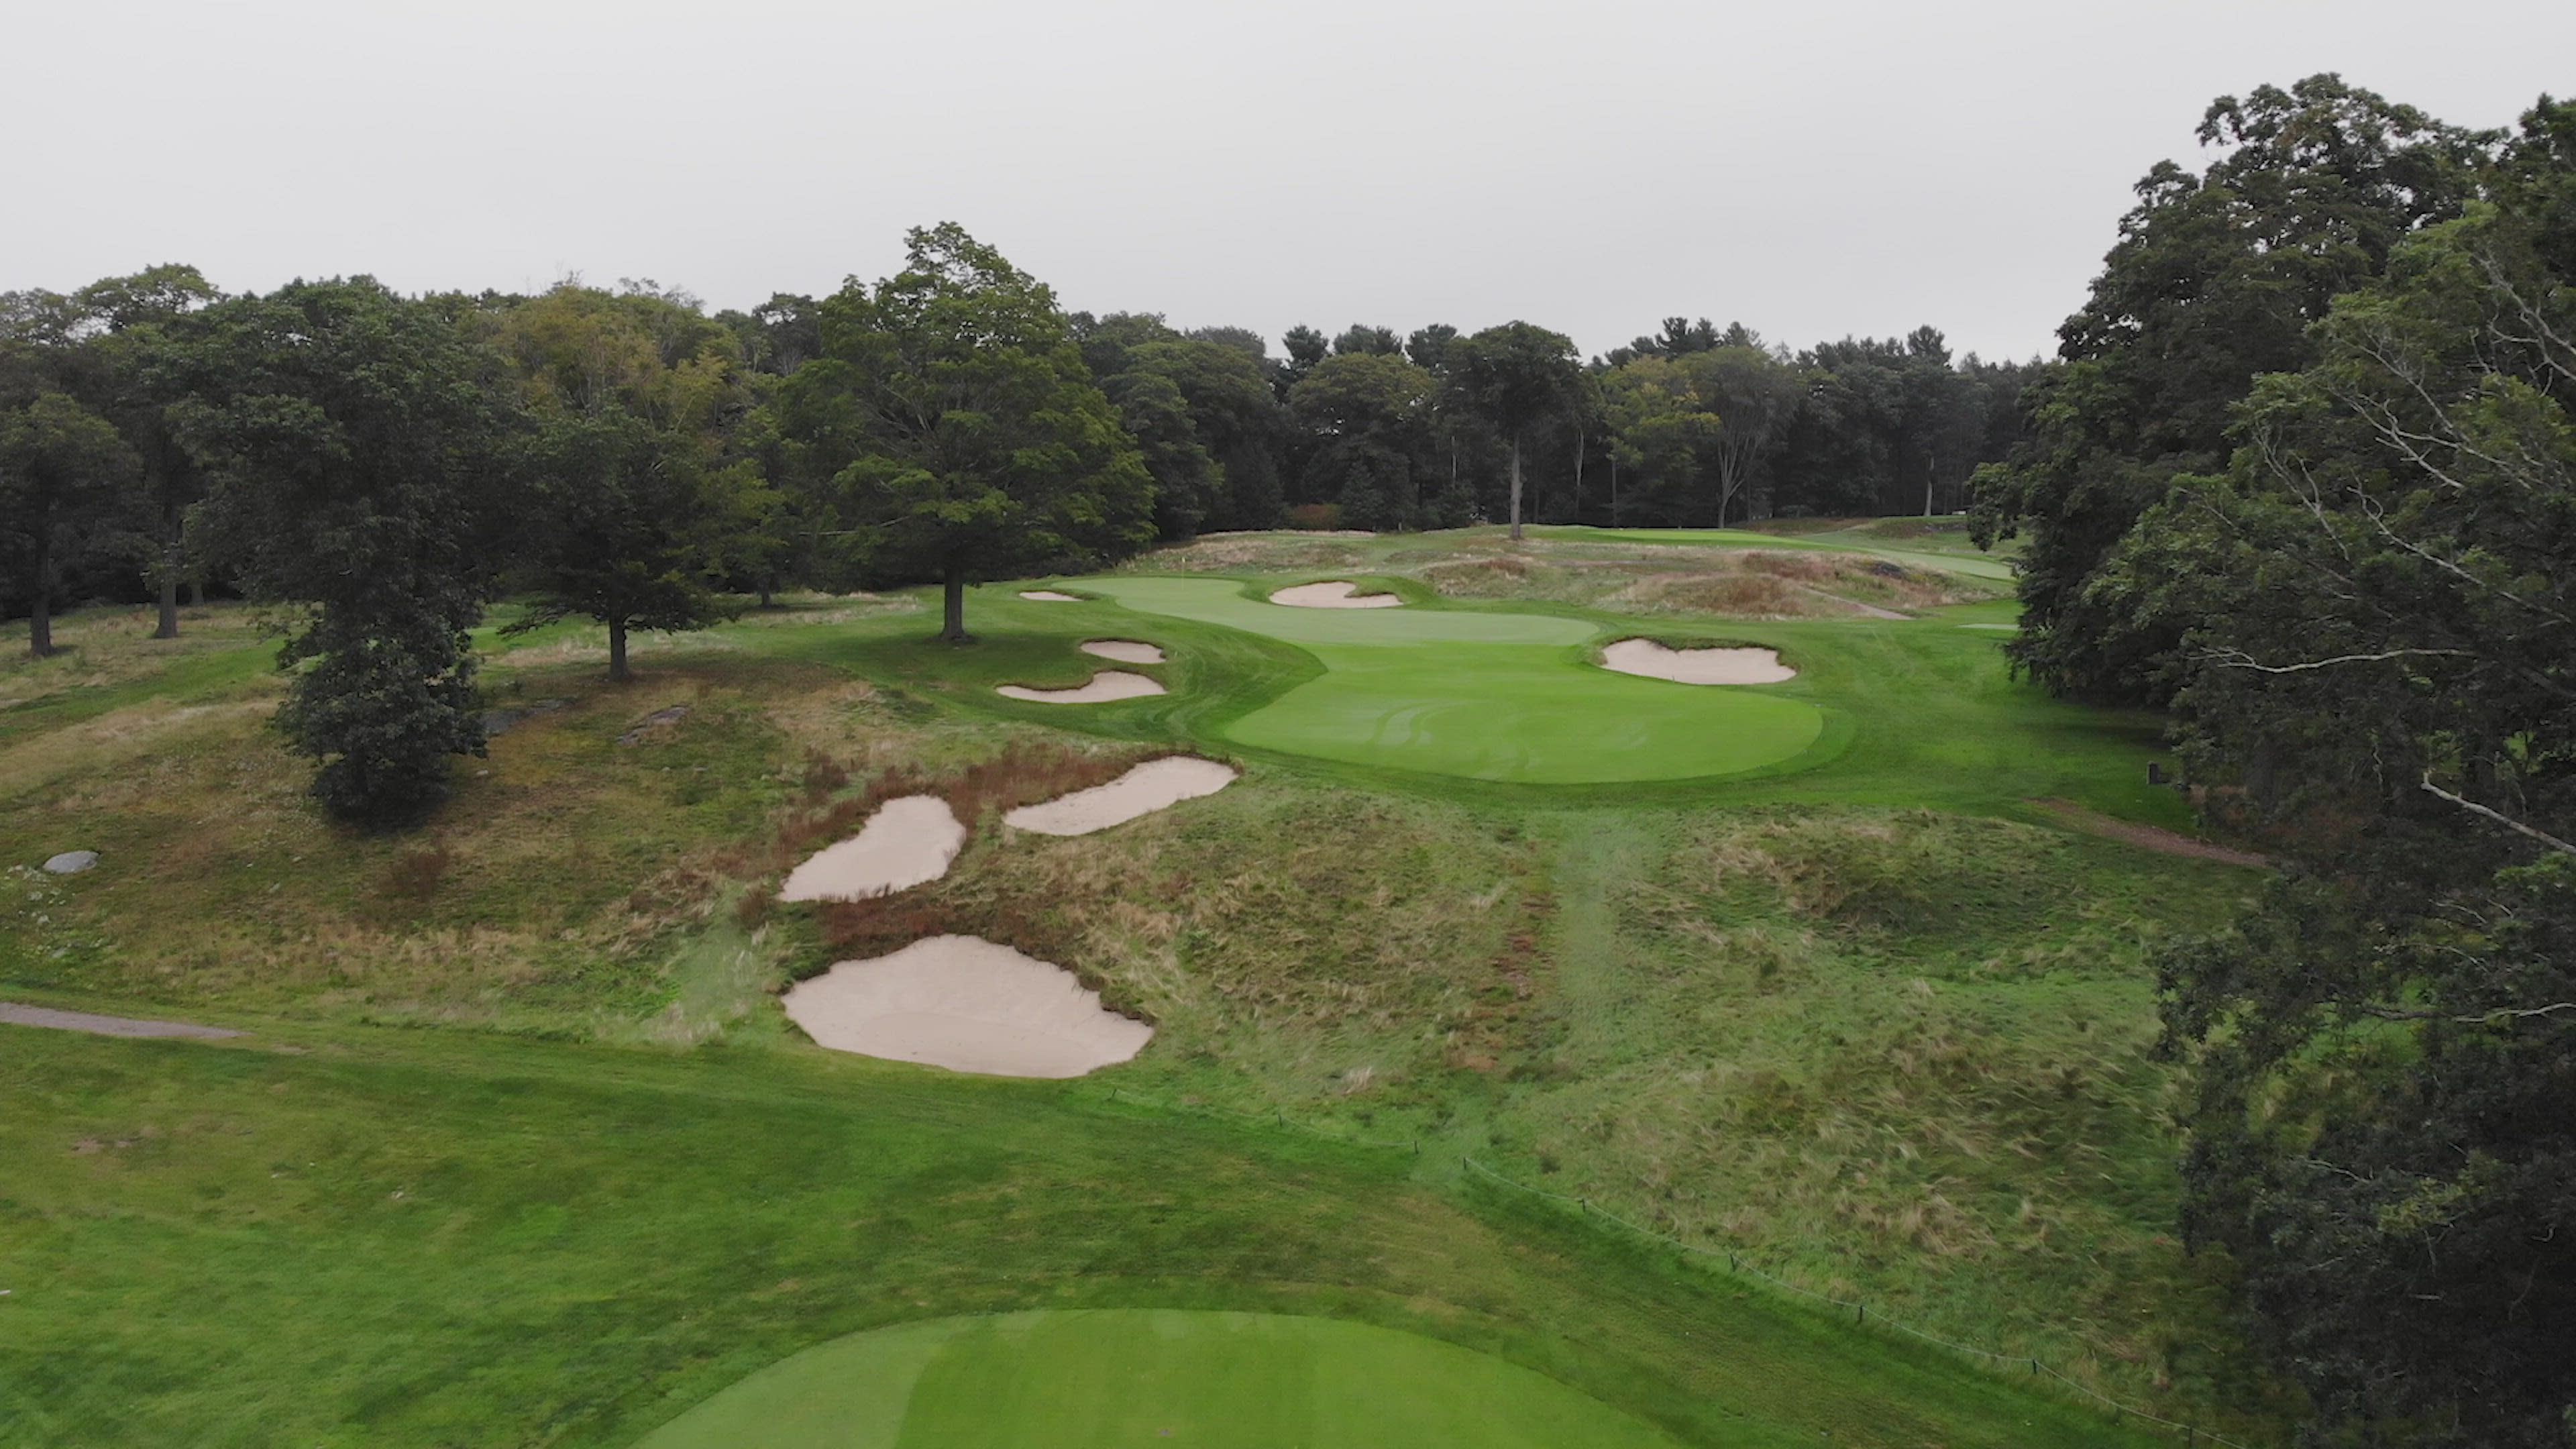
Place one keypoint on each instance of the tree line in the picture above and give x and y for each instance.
(2304, 475)
(391, 464)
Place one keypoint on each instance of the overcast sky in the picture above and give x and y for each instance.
(1814, 169)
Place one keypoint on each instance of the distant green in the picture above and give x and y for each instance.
(1102, 1377)
(1484, 695)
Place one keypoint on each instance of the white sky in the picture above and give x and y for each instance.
(1815, 169)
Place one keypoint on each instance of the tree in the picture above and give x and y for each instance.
(1661, 429)
(138, 313)
(1306, 347)
(630, 397)
(60, 468)
(953, 424)
(353, 442)
(1512, 376)
(2214, 281)
(2377, 610)
(1366, 411)
(1753, 395)
(1359, 337)
(1428, 347)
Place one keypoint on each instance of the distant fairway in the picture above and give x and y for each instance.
(1974, 566)
(1069, 1379)
(1489, 696)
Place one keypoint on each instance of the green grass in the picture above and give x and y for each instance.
(1077, 1378)
(357, 1236)
(1486, 695)
(1866, 1016)
(1972, 564)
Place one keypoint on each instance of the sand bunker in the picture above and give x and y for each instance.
(906, 842)
(969, 1005)
(1334, 595)
(1050, 596)
(1108, 684)
(1696, 666)
(1125, 651)
(1151, 786)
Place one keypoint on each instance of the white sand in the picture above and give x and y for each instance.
(1151, 786)
(1108, 684)
(1696, 666)
(969, 1005)
(1125, 651)
(1050, 596)
(906, 842)
(1335, 595)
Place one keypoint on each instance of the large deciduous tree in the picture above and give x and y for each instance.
(2214, 281)
(629, 518)
(1513, 376)
(2378, 601)
(139, 314)
(1753, 396)
(61, 466)
(352, 438)
(952, 422)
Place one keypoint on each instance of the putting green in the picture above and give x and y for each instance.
(1491, 696)
(1072, 1378)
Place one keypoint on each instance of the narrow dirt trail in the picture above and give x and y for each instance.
(46, 1016)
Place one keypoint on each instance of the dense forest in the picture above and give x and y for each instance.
(2302, 475)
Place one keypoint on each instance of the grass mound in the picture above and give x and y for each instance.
(1072, 1379)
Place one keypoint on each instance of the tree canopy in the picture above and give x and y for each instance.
(953, 427)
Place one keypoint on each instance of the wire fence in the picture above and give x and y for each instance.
(2121, 1411)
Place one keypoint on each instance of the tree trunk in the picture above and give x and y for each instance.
(617, 673)
(1614, 487)
(765, 590)
(1578, 477)
(168, 628)
(952, 626)
(1516, 487)
(40, 615)
(197, 592)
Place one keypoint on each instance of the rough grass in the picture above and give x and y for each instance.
(1867, 1024)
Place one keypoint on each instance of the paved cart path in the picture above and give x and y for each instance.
(17, 1015)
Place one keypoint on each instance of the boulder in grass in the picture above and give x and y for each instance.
(71, 862)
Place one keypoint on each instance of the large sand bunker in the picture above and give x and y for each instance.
(1335, 595)
(1696, 666)
(969, 1005)
(1125, 651)
(1050, 596)
(1108, 684)
(905, 843)
(1151, 786)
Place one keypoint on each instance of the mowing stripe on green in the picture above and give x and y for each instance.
(1080, 1378)
(1485, 695)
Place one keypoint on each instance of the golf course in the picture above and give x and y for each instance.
(1500, 1004)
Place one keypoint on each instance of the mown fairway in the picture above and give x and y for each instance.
(1089, 1377)
(520, 1149)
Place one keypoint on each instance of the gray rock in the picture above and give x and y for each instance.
(645, 727)
(72, 862)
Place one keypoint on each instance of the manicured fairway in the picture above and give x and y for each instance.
(1069, 1379)
(1488, 696)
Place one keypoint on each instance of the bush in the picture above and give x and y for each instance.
(1315, 517)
